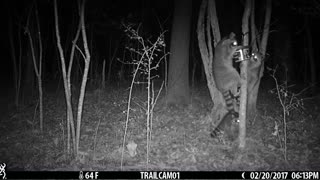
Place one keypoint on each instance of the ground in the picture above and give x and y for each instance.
(180, 136)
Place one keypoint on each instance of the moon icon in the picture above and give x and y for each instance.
(243, 175)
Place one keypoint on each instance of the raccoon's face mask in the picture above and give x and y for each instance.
(256, 56)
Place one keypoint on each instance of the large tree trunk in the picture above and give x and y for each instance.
(66, 79)
(310, 56)
(244, 77)
(253, 95)
(252, 88)
(178, 84)
(208, 31)
(87, 59)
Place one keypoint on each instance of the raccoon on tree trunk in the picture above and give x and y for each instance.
(254, 75)
(227, 78)
(228, 127)
(254, 67)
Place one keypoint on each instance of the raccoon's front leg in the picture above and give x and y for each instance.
(236, 105)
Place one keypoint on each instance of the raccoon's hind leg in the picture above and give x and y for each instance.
(226, 123)
(232, 101)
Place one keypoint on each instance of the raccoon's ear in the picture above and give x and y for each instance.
(232, 35)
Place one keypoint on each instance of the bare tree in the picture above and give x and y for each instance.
(103, 79)
(37, 65)
(112, 57)
(208, 31)
(86, 58)
(244, 76)
(252, 98)
(66, 79)
(16, 62)
(147, 64)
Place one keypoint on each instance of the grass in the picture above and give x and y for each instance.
(180, 136)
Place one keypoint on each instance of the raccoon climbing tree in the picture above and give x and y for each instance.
(208, 36)
(227, 77)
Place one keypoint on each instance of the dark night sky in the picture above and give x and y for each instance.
(103, 17)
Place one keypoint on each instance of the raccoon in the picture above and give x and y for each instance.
(227, 128)
(226, 76)
(229, 124)
(227, 80)
(254, 68)
(254, 74)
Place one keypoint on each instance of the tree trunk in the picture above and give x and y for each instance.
(253, 95)
(84, 78)
(310, 56)
(27, 78)
(39, 69)
(16, 76)
(244, 76)
(103, 79)
(178, 83)
(207, 28)
(66, 79)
